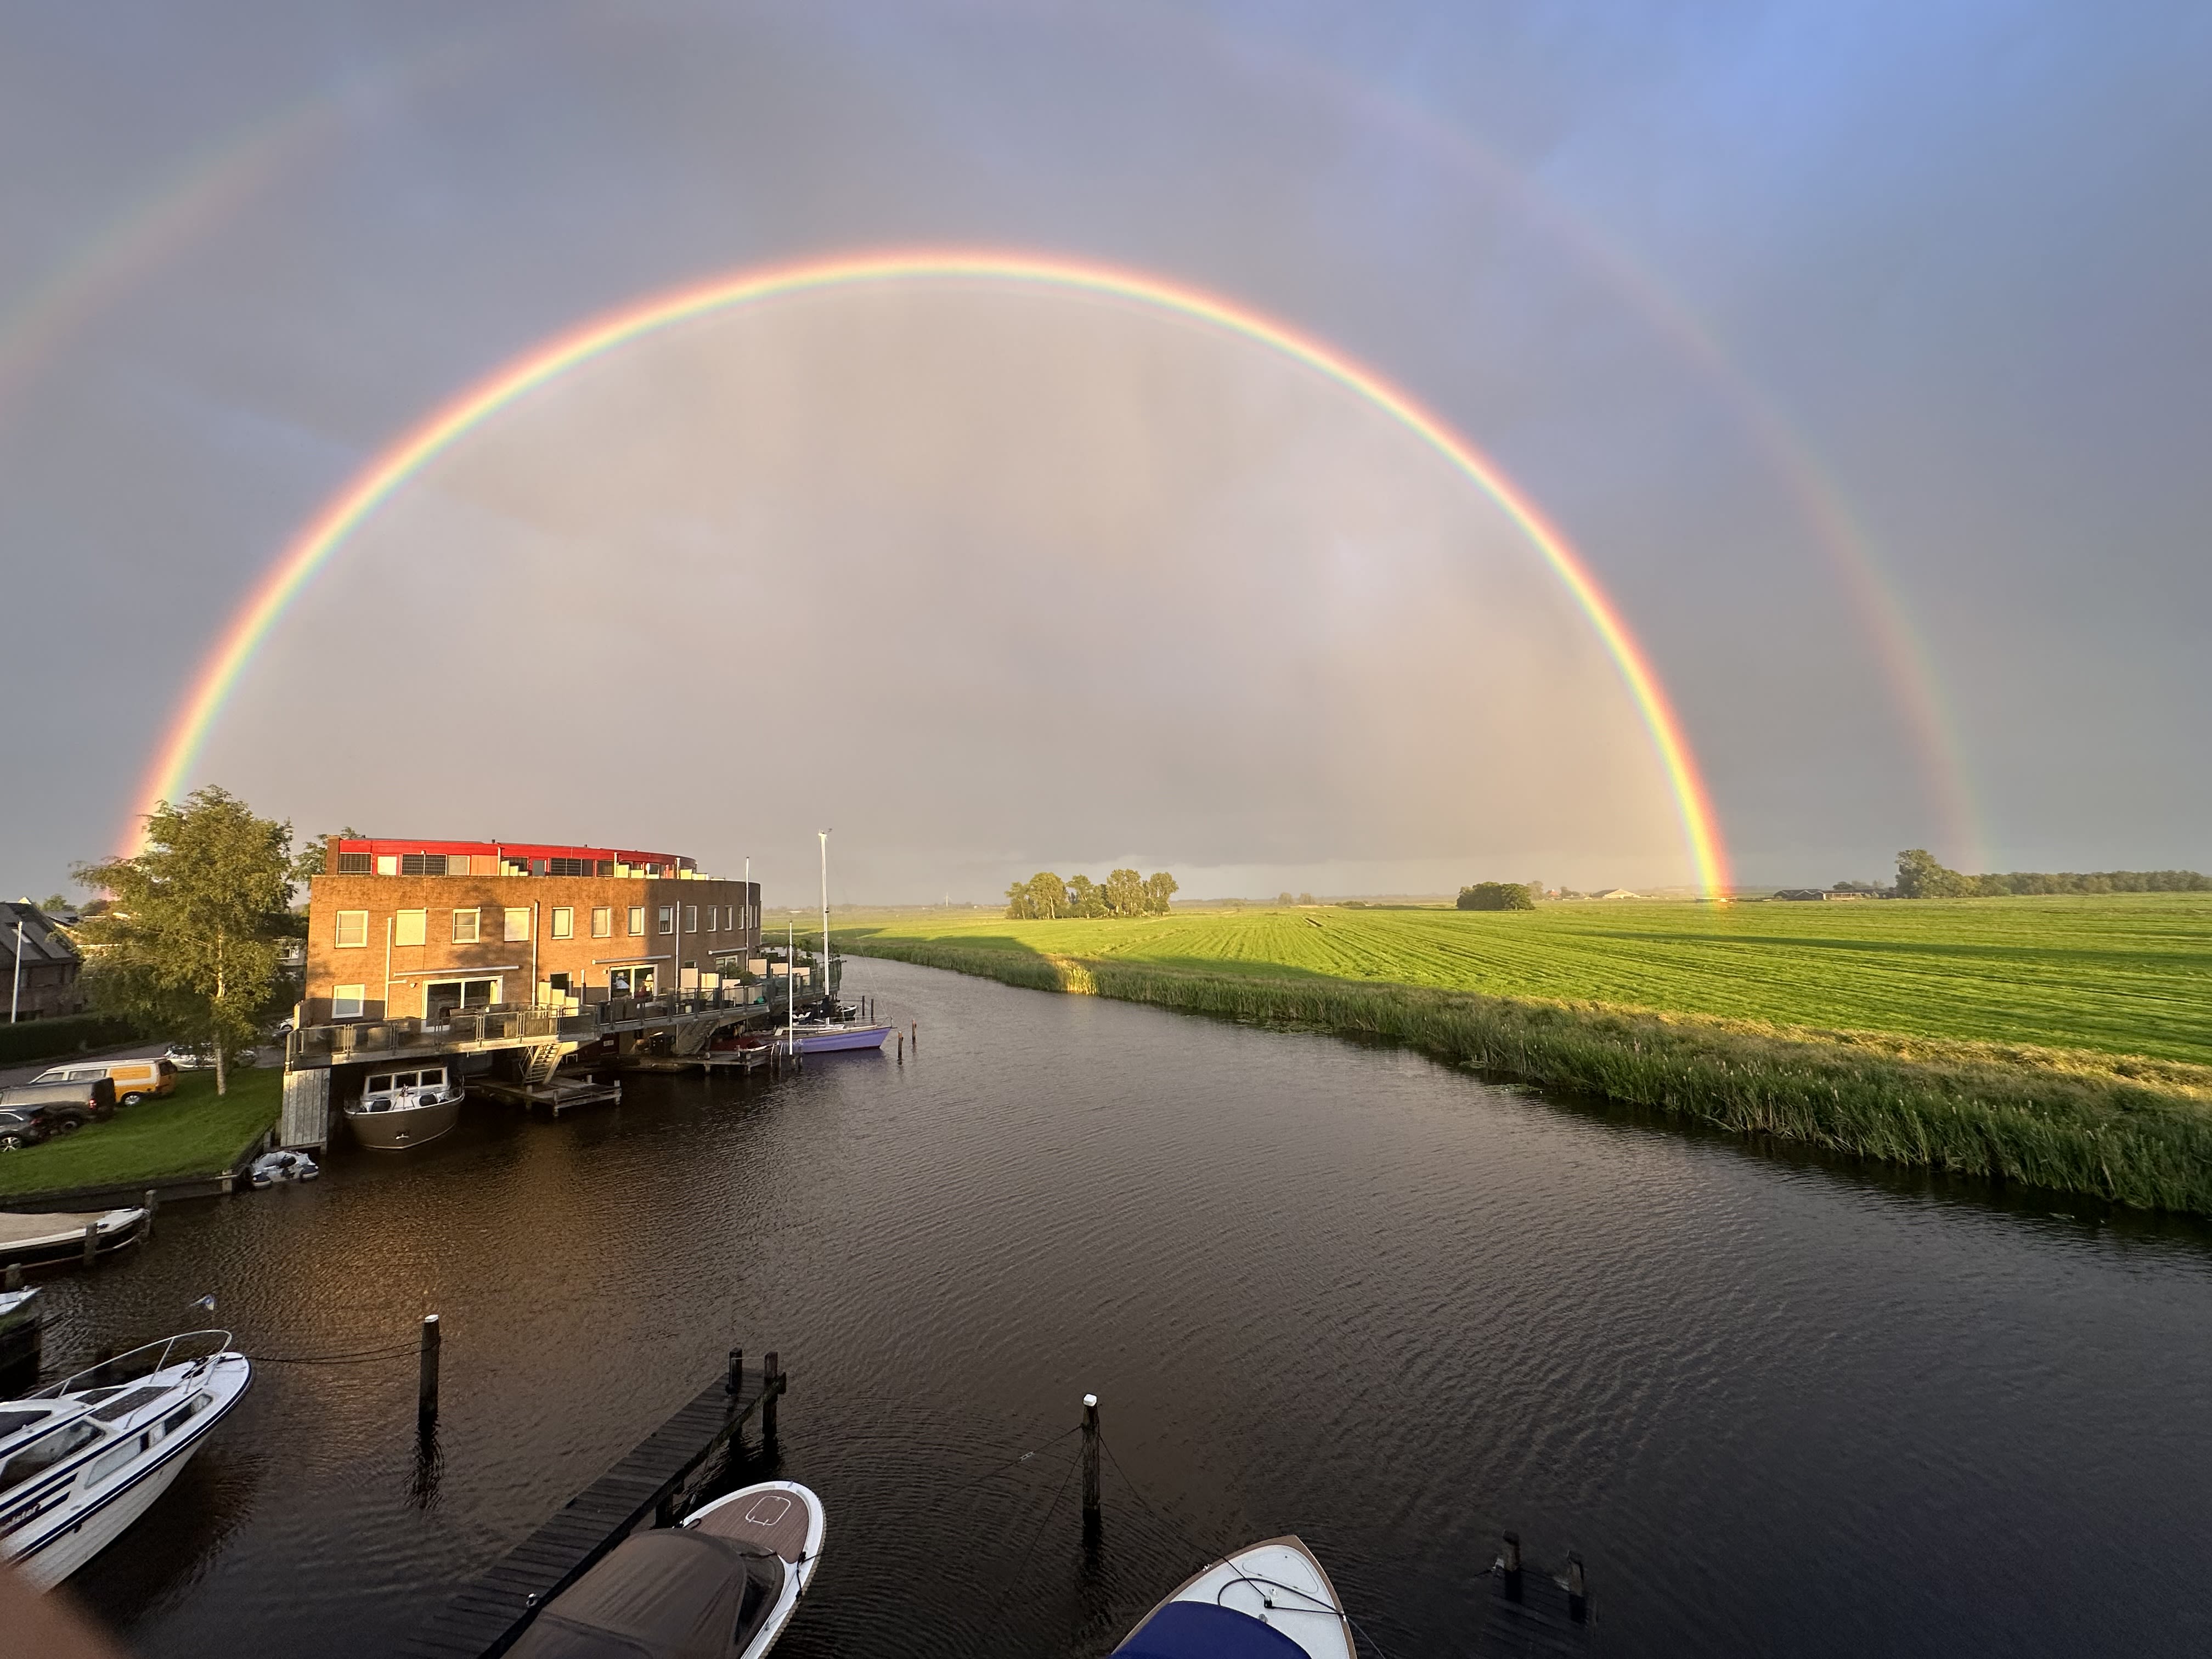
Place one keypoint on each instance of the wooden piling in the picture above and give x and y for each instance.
(771, 1386)
(902, 1048)
(426, 1382)
(15, 1281)
(91, 1242)
(1091, 1461)
(733, 1382)
(1508, 1566)
(1577, 1591)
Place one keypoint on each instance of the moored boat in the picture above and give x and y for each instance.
(400, 1109)
(721, 1586)
(1270, 1600)
(82, 1458)
(827, 1036)
(58, 1234)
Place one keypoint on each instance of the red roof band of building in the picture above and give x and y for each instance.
(536, 857)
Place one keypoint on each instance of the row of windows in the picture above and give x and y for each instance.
(412, 926)
(463, 864)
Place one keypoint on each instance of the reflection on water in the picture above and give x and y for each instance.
(1322, 1288)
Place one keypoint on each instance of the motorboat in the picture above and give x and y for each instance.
(723, 1585)
(58, 1234)
(828, 1037)
(275, 1169)
(399, 1110)
(22, 1332)
(1270, 1600)
(82, 1458)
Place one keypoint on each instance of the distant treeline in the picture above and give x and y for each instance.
(1044, 897)
(1919, 876)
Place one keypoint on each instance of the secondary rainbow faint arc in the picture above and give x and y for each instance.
(377, 482)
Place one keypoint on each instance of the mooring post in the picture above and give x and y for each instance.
(91, 1242)
(734, 1383)
(14, 1275)
(1091, 1461)
(146, 1229)
(902, 1048)
(1578, 1592)
(1508, 1566)
(425, 1383)
(771, 1386)
(913, 1028)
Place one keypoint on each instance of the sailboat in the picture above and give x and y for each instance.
(830, 1026)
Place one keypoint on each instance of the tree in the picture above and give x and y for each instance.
(1160, 890)
(1086, 898)
(1040, 898)
(1497, 895)
(1125, 893)
(1305, 898)
(196, 929)
(1918, 876)
(314, 857)
(1286, 899)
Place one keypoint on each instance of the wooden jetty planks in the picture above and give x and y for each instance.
(485, 1615)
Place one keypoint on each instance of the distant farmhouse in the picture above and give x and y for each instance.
(40, 964)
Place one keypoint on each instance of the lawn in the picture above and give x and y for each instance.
(2128, 974)
(193, 1133)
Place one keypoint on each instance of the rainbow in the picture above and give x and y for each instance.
(376, 484)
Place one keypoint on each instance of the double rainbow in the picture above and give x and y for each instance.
(166, 777)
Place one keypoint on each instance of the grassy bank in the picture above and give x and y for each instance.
(2136, 1130)
(190, 1133)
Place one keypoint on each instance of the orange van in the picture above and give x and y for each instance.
(134, 1080)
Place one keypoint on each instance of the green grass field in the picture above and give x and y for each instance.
(193, 1133)
(2125, 974)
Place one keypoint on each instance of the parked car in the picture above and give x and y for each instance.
(19, 1130)
(185, 1058)
(63, 1107)
(134, 1079)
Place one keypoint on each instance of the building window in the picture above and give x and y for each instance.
(518, 922)
(690, 918)
(636, 920)
(347, 1001)
(603, 922)
(424, 864)
(564, 921)
(570, 867)
(353, 929)
(409, 927)
(356, 864)
(667, 917)
(713, 918)
(387, 864)
(468, 925)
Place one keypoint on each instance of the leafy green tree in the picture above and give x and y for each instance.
(1160, 891)
(1497, 895)
(195, 936)
(1305, 898)
(1125, 893)
(1086, 898)
(1286, 898)
(313, 859)
(1919, 876)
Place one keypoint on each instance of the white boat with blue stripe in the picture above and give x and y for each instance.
(1270, 1600)
(82, 1458)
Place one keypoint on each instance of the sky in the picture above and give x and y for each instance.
(1859, 353)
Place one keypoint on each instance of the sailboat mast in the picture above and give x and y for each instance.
(825, 912)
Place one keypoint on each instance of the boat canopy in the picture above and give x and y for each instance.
(1202, 1630)
(672, 1593)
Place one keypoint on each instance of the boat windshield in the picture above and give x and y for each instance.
(763, 1583)
(45, 1451)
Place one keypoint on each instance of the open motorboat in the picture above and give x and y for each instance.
(828, 1026)
(82, 1458)
(58, 1234)
(399, 1110)
(721, 1586)
(1272, 1601)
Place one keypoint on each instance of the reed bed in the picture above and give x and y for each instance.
(2135, 1132)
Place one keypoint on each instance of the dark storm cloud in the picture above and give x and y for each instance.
(1963, 248)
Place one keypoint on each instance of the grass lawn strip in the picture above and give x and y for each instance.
(191, 1133)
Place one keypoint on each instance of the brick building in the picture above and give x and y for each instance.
(42, 983)
(407, 929)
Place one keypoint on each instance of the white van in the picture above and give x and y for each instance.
(134, 1080)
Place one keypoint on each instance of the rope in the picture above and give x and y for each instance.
(1223, 1555)
(1037, 1532)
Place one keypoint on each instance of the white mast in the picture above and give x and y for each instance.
(824, 834)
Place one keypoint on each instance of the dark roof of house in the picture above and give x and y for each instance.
(42, 941)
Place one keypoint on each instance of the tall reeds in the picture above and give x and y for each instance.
(2135, 1132)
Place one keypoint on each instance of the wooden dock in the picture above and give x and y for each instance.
(558, 1095)
(652, 1485)
(1533, 1613)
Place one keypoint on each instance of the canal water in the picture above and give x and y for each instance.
(1778, 1405)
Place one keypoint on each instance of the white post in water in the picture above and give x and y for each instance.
(824, 834)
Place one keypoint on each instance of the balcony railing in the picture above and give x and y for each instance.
(574, 1020)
